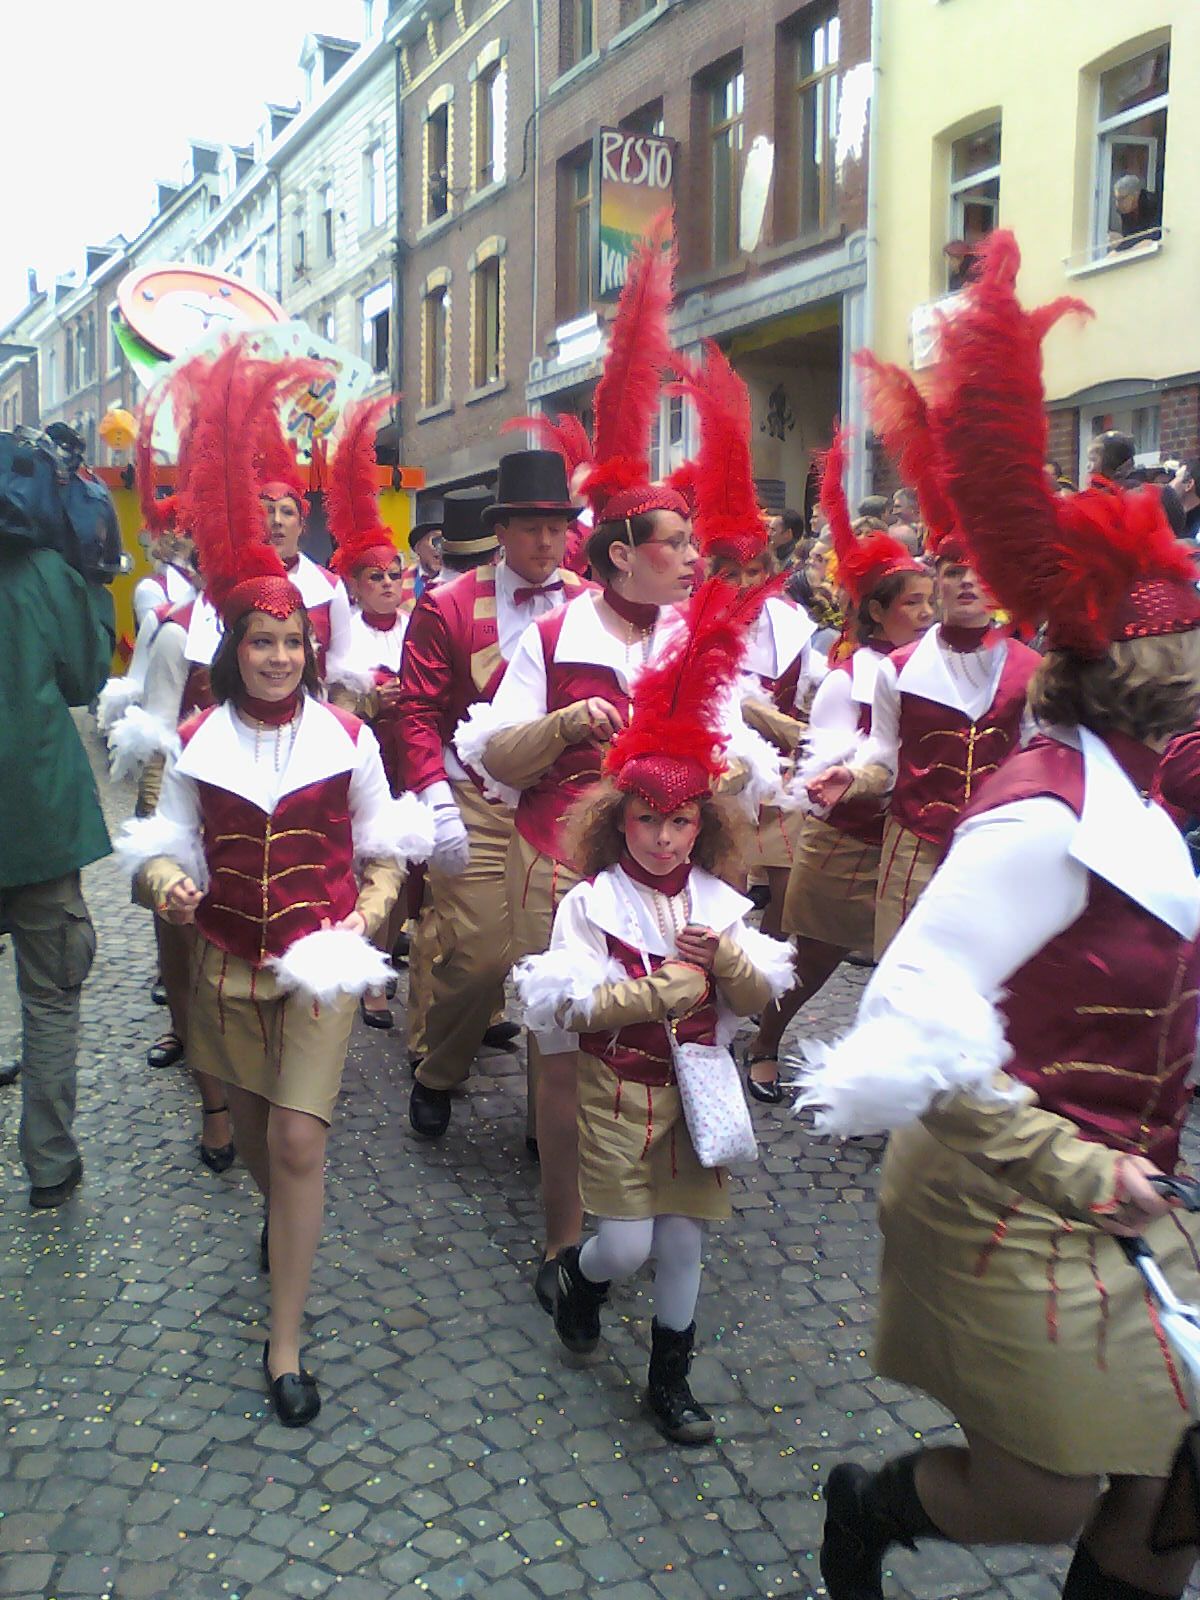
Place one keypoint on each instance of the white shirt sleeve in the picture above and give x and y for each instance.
(147, 595)
(140, 660)
(522, 694)
(166, 675)
(340, 645)
(882, 746)
(813, 669)
(833, 709)
(370, 792)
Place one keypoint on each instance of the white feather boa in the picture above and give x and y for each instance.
(329, 963)
(350, 674)
(115, 699)
(560, 984)
(401, 830)
(763, 766)
(136, 738)
(770, 958)
(143, 839)
(470, 745)
(931, 1037)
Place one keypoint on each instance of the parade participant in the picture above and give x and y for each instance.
(948, 708)
(829, 904)
(172, 580)
(565, 692)
(366, 559)
(277, 836)
(1028, 1034)
(650, 952)
(425, 543)
(459, 637)
(286, 505)
(780, 669)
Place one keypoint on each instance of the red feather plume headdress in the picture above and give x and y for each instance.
(352, 492)
(618, 485)
(161, 515)
(564, 433)
(279, 473)
(900, 418)
(862, 564)
(1099, 566)
(672, 750)
(220, 502)
(728, 521)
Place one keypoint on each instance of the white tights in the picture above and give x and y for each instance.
(621, 1245)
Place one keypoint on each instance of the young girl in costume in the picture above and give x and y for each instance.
(653, 945)
(829, 906)
(277, 837)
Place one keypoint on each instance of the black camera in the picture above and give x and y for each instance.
(46, 503)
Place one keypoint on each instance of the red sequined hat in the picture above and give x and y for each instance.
(672, 749)
(862, 564)
(220, 502)
(1099, 566)
(728, 522)
(352, 495)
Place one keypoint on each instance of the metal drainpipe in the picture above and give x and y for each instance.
(872, 252)
(536, 11)
(398, 261)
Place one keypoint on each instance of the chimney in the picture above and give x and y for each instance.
(32, 283)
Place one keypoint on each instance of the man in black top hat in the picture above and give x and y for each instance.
(425, 543)
(508, 555)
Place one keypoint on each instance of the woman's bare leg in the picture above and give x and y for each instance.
(296, 1155)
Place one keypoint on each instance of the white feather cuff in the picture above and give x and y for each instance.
(136, 738)
(401, 830)
(560, 984)
(764, 768)
(330, 963)
(770, 958)
(819, 749)
(144, 838)
(359, 680)
(470, 746)
(930, 1038)
(115, 699)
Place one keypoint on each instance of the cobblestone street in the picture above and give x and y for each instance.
(455, 1455)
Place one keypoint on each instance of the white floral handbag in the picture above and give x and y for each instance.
(714, 1107)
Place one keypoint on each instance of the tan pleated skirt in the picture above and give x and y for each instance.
(905, 868)
(831, 890)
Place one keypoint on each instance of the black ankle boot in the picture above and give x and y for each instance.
(865, 1512)
(669, 1397)
(577, 1303)
(1086, 1581)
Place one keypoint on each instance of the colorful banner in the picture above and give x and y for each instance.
(636, 182)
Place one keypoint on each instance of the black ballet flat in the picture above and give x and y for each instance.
(166, 1051)
(221, 1157)
(294, 1395)
(381, 1017)
(768, 1094)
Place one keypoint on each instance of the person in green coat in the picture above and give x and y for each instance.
(57, 633)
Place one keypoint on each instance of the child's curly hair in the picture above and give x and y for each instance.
(594, 838)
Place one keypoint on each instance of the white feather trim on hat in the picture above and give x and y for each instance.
(556, 988)
(820, 749)
(770, 958)
(471, 738)
(401, 830)
(329, 963)
(932, 1037)
(144, 839)
(136, 738)
(115, 699)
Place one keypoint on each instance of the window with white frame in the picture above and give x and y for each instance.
(437, 162)
(327, 327)
(974, 198)
(326, 221)
(52, 376)
(1137, 415)
(491, 124)
(375, 322)
(299, 246)
(374, 188)
(1131, 134)
(487, 342)
(435, 345)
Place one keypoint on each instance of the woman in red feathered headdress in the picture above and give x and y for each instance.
(653, 948)
(1028, 1036)
(277, 838)
(829, 903)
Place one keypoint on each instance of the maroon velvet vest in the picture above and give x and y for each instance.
(273, 879)
(542, 807)
(1102, 1020)
(641, 1052)
(944, 756)
(860, 818)
(197, 688)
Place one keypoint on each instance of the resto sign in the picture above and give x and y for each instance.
(637, 182)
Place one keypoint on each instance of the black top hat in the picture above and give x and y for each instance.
(531, 480)
(429, 519)
(465, 531)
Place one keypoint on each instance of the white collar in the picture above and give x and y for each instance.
(204, 632)
(616, 906)
(585, 640)
(780, 634)
(215, 755)
(316, 586)
(1133, 845)
(927, 672)
(864, 669)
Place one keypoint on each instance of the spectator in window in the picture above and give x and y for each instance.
(1139, 213)
(1186, 484)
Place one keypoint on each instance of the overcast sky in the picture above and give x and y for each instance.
(99, 101)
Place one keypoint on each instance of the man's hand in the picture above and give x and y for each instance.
(697, 946)
(598, 719)
(451, 843)
(830, 786)
(180, 904)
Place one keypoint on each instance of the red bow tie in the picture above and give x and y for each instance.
(523, 596)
